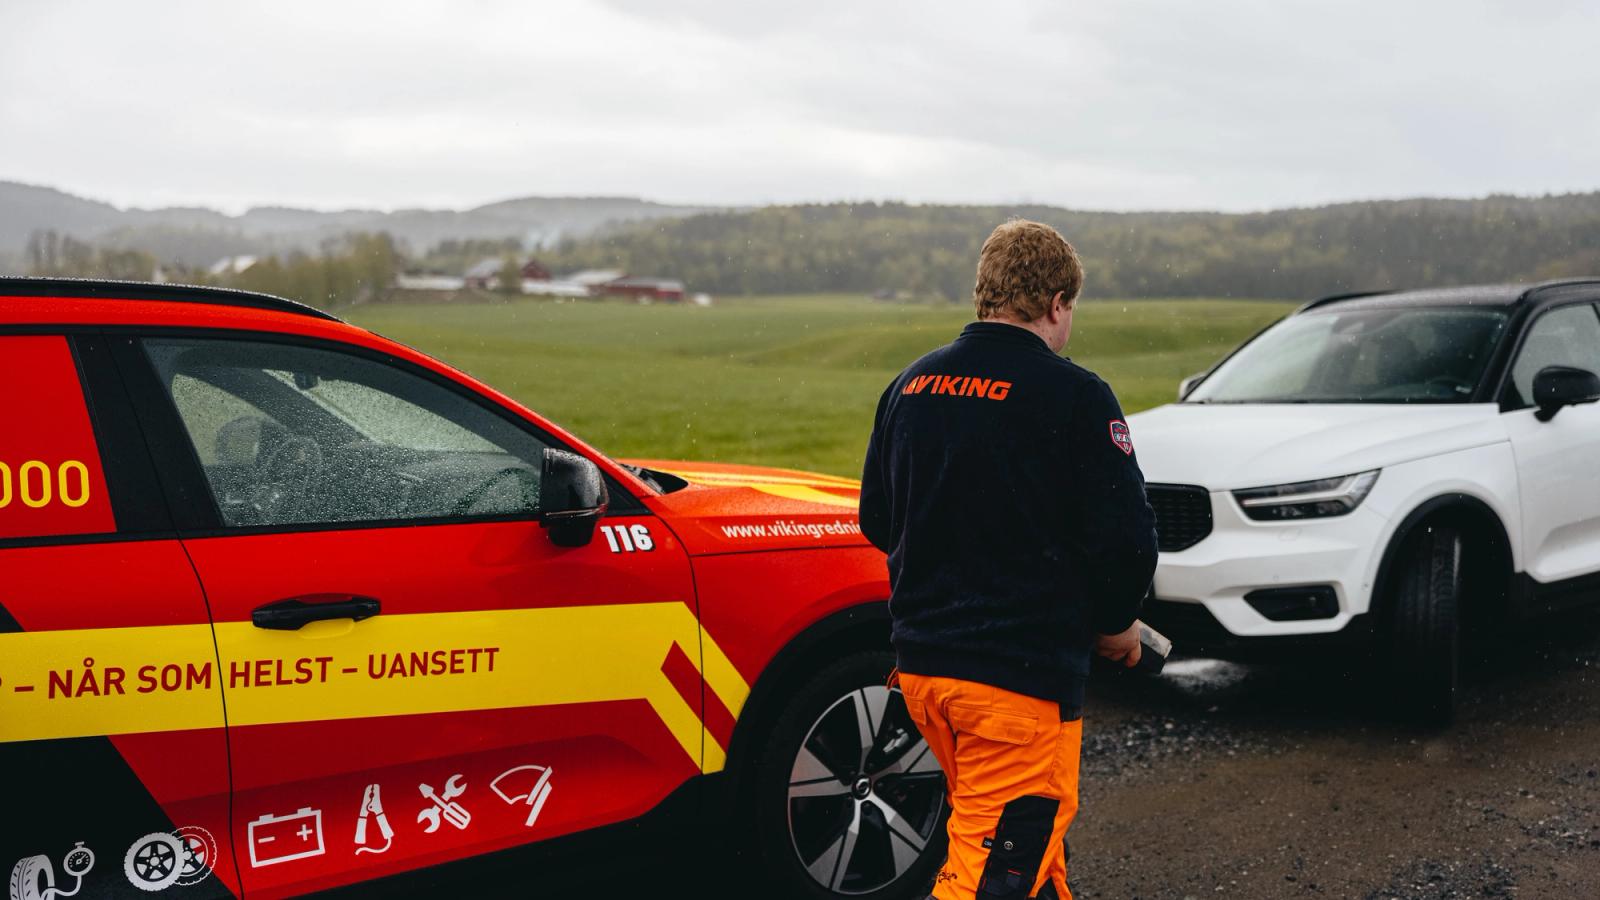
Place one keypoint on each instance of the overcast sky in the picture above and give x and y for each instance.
(1132, 104)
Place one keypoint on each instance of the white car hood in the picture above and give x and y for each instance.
(1229, 446)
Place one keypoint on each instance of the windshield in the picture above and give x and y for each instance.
(1420, 355)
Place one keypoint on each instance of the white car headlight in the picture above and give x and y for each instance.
(1307, 499)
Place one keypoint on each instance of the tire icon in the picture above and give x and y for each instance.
(199, 854)
(31, 878)
(154, 862)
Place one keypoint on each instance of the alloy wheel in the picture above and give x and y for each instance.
(865, 793)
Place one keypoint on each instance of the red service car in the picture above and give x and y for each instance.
(286, 606)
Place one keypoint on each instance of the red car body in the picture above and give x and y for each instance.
(510, 692)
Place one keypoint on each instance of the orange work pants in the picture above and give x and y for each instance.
(1011, 769)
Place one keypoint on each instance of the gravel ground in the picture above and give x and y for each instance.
(1260, 782)
(1228, 780)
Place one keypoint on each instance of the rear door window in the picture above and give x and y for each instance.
(51, 480)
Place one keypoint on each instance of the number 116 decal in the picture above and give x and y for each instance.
(628, 538)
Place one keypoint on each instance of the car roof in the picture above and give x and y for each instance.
(102, 289)
(1493, 295)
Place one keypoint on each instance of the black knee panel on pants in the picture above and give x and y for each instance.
(1017, 849)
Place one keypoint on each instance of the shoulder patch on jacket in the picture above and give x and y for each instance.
(1121, 436)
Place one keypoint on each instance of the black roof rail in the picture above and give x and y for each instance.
(1335, 298)
(1579, 281)
(29, 286)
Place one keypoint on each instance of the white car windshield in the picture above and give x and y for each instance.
(1371, 355)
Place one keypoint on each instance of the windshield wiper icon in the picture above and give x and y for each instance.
(538, 788)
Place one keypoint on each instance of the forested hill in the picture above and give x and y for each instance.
(197, 236)
(1284, 253)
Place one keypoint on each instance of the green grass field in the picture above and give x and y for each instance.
(788, 381)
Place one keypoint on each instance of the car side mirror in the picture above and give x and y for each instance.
(1189, 384)
(1558, 386)
(572, 497)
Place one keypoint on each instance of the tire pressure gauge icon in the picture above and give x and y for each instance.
(78, 861)
(33, 878)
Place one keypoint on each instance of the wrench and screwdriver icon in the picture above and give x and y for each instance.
(444, 805)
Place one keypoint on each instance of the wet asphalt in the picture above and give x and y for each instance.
(1295, 780)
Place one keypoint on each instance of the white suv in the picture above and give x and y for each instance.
(1383, 466)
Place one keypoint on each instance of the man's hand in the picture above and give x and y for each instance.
(1124, 647)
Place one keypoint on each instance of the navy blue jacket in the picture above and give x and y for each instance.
(1001, 481)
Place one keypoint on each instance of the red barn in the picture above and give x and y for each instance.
(666, 289)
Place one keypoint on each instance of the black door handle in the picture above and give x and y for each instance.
(291, 614)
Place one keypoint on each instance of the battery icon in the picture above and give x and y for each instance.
(277, 839)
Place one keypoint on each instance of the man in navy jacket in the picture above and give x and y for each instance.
(1002, 483)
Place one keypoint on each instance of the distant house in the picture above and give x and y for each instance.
(537, 280)
(429, 282)
(616, 283)
(232, 265)
(595, 278)
(549, 288)
(485, 273)
(640, 288)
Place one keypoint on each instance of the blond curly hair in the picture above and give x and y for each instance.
(1021, 267)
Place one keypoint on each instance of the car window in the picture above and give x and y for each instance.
(1569, 336)
(1287, 371)
(51, 481)
(1370, 355)
(296, 435)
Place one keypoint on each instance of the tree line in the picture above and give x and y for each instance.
(53, 253)
(932, 250)
(355, 268)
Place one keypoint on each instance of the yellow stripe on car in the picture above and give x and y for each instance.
(67, 684)
(808, 489)
(808, 494)
(703, 477)
(131, 680)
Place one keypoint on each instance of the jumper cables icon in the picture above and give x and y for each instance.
(372, 805)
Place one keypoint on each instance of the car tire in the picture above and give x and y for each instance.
(1425, 626)
(832, 819)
